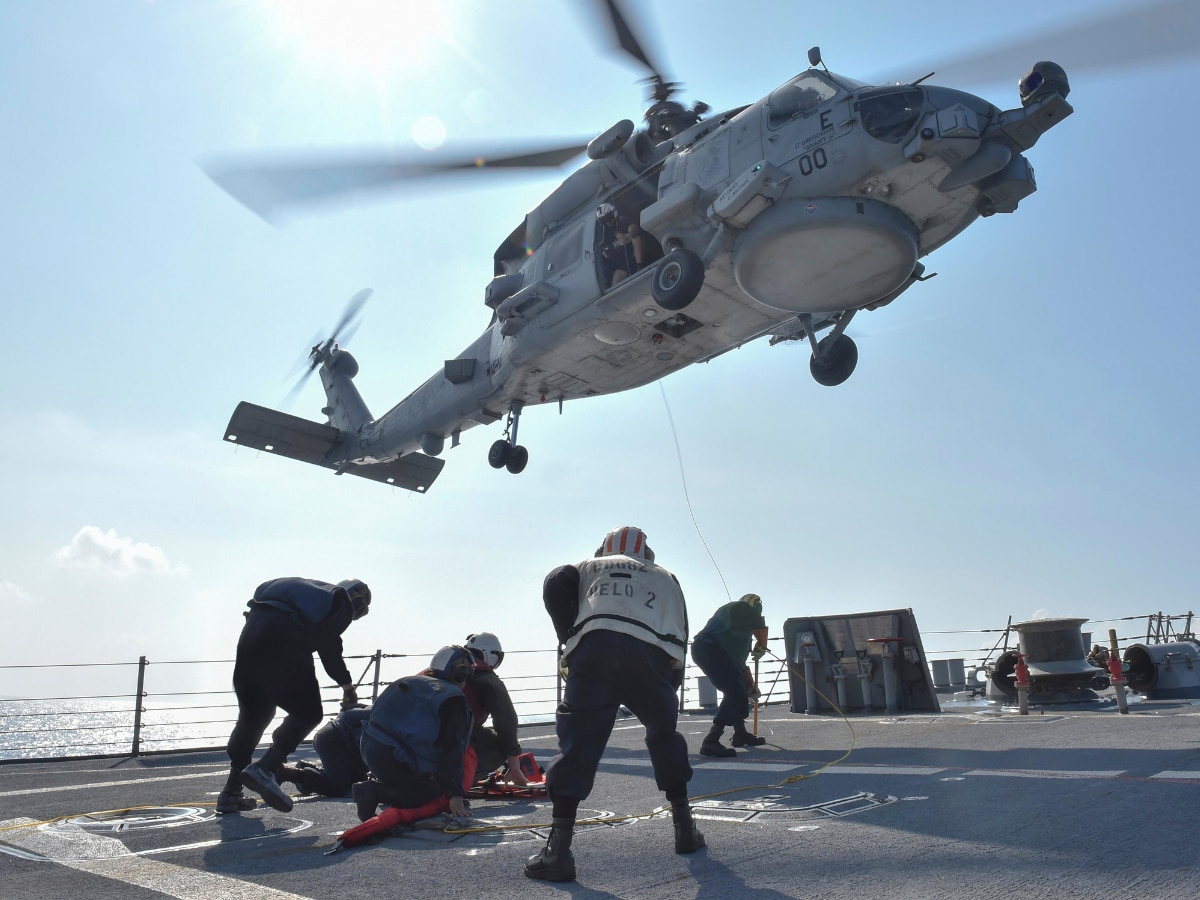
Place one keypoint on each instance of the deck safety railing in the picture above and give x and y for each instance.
(173, 705)
(154, 706)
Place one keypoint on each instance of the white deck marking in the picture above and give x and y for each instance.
(59, 788)
(1047, 773)
(884, 770)
(645, 763)
(1178, 775)
(109, 858)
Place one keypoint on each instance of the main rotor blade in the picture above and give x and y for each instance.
(1145, 33)
(626, 38)
(269, 186)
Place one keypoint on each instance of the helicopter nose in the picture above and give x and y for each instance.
(1042, 79)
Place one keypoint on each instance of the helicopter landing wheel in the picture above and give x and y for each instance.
(836, 363)
(517, 460)
(499, 454)
(678, 279)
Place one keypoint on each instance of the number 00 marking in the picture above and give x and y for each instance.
(810, 162)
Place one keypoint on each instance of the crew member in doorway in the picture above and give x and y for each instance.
(498, 745)
(624, 246)
(623, 625)
(720, 650)
(416, 742)
(288, 620)
(336, 743)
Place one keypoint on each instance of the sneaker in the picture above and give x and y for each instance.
(748, 740)
(234, 802)
(365, 799)
(716, 748)
(264, 784)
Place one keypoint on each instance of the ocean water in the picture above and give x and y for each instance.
(51, 729)
(71, 710)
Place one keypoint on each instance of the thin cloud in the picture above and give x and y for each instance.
(106, 551)
(13, 596)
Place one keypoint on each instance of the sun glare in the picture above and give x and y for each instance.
(375, 34)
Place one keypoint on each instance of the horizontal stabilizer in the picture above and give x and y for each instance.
(277, 432)
(415, 472)
(311, 442)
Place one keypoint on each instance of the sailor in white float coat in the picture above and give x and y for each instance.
(623, 625)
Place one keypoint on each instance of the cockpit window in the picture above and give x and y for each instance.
(890, 114)
(799, 97)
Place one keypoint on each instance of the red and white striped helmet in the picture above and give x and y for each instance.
(626, 541)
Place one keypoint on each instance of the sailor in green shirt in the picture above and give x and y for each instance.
(720, 650)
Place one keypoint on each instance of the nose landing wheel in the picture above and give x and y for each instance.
(835, 355)
(506, 453)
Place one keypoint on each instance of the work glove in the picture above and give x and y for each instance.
(349, 697)
(758, 652)
(754, 693)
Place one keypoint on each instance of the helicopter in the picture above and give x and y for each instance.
(676, 242)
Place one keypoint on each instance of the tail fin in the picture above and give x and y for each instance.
(346, 409)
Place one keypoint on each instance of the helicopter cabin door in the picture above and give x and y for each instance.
(621, 246)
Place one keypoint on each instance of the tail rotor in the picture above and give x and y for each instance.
(322, 350)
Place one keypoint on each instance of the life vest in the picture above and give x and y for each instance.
(634, 597)
(406, 717)
(308, 601)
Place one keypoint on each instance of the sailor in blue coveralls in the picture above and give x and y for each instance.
(336, 743)
(623, 625)
(288, 620)
(416, 741)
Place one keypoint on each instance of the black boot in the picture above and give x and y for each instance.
(688, 838)
(260, 778)
(743, 738)
(555, 862)
(712, 746)
(231, 799)
(366, 799)
(301, 776)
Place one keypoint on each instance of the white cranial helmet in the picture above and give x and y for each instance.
(626, 541)
(486, 646)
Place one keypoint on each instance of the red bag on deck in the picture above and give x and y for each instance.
(393, 816)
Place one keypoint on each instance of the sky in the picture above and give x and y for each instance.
(1018, 439)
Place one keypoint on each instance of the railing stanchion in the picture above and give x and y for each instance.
(375, 683)
(137, 706)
